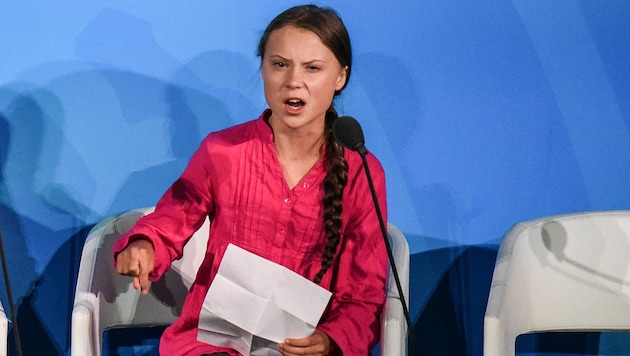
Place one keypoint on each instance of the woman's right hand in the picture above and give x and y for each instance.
(137, 261)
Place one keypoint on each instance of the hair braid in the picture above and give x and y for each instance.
(334, 183)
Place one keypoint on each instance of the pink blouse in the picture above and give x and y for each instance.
(235, 178)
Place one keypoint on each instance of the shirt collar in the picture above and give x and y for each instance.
(263, 127)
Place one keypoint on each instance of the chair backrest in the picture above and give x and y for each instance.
(560, 273)
(104, 299)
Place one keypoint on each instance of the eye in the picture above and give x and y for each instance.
(313, 68)
(279, 64)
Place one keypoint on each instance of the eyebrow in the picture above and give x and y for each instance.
(280, 57)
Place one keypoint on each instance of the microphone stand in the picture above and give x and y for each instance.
(16, 333)
(360, 148)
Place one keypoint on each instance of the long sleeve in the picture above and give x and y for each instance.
(178, 214)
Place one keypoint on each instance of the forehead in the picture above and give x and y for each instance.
(296, 42)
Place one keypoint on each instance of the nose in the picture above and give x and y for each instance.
(295, 78)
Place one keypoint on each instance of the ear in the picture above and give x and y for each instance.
(341, 78)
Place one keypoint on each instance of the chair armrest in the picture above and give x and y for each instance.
(83, 332)
(84, 336)
(393, 328)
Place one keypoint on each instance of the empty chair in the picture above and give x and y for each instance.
(106, 300)
(560, 273)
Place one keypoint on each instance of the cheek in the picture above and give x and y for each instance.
(270, 84)
(270, 96)
(274, 81)
(268, 91)
(326, 93)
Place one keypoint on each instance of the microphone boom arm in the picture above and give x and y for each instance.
(362, 152)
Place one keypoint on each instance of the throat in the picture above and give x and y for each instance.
(294, 170)
(297, 157)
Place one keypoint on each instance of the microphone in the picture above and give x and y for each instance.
(348, 132)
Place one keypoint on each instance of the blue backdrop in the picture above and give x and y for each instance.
(483, 114)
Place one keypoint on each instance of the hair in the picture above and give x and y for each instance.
(327, 25)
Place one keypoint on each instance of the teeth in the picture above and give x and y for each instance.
(294, 101)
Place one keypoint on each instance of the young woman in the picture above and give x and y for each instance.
(281, 187)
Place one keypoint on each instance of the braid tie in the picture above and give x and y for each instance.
(334, 183)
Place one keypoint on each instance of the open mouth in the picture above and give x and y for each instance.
(294, 103)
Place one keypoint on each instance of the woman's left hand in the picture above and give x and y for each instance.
(317, 344)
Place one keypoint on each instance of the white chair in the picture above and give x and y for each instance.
(4, 331)
(106, 300)
(393, 322)
(560, 273)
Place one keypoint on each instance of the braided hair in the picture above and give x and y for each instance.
(327, 25)
(335, 181)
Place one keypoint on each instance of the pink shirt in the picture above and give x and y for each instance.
(236, 179)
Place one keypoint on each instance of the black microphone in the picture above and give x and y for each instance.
(348, 132)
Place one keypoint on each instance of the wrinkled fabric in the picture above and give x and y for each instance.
(235, 178)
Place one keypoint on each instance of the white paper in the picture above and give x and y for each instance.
(253, 304)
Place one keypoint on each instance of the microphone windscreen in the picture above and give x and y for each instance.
(348, 132)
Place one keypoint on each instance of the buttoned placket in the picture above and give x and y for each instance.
(285, 215)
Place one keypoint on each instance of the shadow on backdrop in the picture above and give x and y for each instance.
(388, 81)
(449, 289)
(194, 105)
(38, 212)
(20, 264)
(37, 338)
(22, 115)
(145, 186)
(32, 129)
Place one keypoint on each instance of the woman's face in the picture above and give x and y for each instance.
(300, 76)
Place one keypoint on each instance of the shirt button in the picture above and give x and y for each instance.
(306, 185)
(282, 229)
(287, 200)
